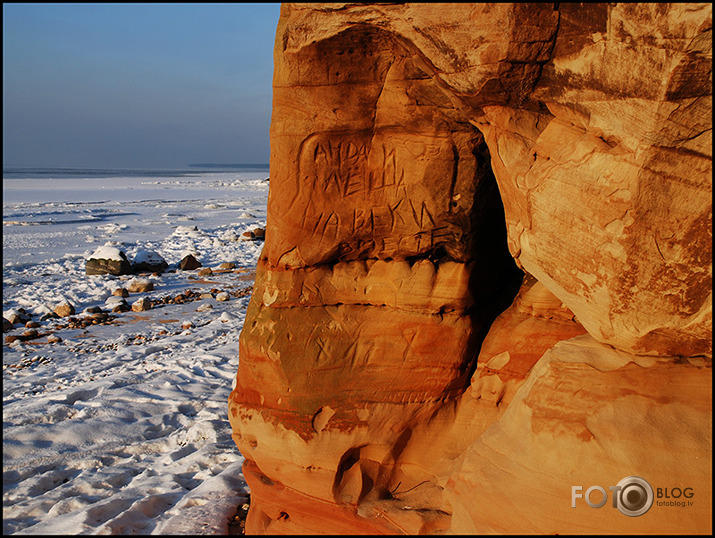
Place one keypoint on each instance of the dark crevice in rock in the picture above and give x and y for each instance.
(495, 278)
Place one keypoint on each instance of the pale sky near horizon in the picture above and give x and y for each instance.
(137, 85)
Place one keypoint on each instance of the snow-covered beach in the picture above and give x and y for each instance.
(121, 426)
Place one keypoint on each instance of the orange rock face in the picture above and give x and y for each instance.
(487, 271)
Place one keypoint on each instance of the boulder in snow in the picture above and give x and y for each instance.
(189, 262)
(149, 261)
(64, 310)
(141, 305)
(120, 292)
(139, 285)
(108, 260)
(116, 304)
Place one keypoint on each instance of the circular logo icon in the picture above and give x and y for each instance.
(635, 496)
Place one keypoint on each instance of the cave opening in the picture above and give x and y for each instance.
(495, 278)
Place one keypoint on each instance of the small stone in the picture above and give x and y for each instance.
(204, 307)
(121, 307)
(141, 305)
(113, 301)
(31, 325)
(53, 339)
(223, 296)
(121, 292)
(188, 263)
(30, 333)
(64, 310)
(227, 265)
(187, 325)
(140, 285)
(206, 272)
(6, 325)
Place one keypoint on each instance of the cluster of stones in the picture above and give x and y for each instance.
(27, 363)
(253, 235)
(107, 260)
(187, 297)
(92, 316)
(116, 303)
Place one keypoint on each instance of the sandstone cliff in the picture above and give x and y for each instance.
(487, 274)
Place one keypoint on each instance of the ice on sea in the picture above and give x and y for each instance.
(123, 428)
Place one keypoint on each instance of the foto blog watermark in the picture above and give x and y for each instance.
(633, 496)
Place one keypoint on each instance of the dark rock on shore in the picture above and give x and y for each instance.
(107, 260)
(189, 263)
(149, 261)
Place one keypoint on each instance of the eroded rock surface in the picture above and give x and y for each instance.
(487, 271)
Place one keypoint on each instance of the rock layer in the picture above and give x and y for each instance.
(398, 371)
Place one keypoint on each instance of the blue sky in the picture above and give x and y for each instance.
(137, 85)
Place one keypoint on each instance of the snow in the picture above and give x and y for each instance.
(122, 428)
(106, 252)
(148, 256)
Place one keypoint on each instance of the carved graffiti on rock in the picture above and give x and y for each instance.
(374, 190)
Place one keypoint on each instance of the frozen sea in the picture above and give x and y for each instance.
(122, 428)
